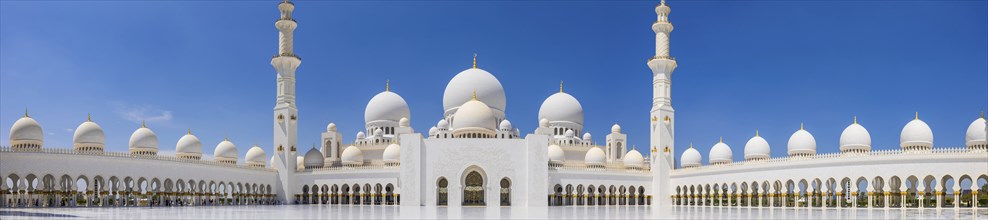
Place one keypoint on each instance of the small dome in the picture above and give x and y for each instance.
(88, 135)
(757, 149)
(802, 143)
(143, 140)
(916, 134)
(392, 153)
(442, 124)
(473, 81)
(720, 153)
(360, 135)
(313, 159)
(569, 133)
(562, 107)
(386, 106)
(595, 157)
(474, 115)
(404, 122)
(226, 151)
(26, 132)
(189, 147)
(616, 128)
(352, 156)
(587, 137)
(855, 138)
(543, 123)
(976, 133)
(634, 159)
(505, 125)
(691, 158)
(433, 131)
(331, 127)
(556, 154)
(255, 157)
(271, 164)
(378, 132)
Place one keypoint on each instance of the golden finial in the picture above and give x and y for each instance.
(982, 113)
(89, 117)
(756, 132)
(855, 119)
(721, 139)
(917, 116)
(474, 94)
(801, 126)
(663, 2)
(560, 86)
(189, 132)
(387, 85)
(226, 138)
(691, 144)
(474, 60)
(143, 125)
(28, 116)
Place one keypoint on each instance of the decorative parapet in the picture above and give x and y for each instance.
(612, 166)
(961, 151)
(66, 151)
(368, 165)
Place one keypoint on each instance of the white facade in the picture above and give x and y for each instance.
(474, 157)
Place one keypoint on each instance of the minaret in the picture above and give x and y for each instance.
(662, 114)
(285, 112)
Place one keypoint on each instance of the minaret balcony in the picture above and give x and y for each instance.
(286, 55)
(661, 58)
(662, 26)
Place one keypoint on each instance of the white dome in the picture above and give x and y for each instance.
(26, 131)
(188, 145)
(433, 131)
(378, 132)
(616, 128)
(392, 153)
(387, 107)
(143, 139)
(352, 156)
(691, 158)
(757, 148)
(569, 133)
(556, 154)
(562, 107)
(587, 137)
(313, 159)
(331, 127)
(976, 133)
(486, 86)
(802, 143)
(255, 156)
(595, 156)
(442, 124)
(88, 134)
(720, 153)
(474, 115)
(855, 138)
(634, 159)
(505, 125)
(404, 122)
(544, 123)
(916, 133)
(271, 164)
(360, 135)
(226, 151)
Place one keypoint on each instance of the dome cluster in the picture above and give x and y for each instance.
(915, 136)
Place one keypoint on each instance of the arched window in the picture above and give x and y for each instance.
(505, 192)
(442, 191)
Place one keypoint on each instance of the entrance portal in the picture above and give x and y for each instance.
(473, 193)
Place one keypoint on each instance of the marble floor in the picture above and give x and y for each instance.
(396, 212)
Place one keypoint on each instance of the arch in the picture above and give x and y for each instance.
(442, 191)
(505, 184)
(473, 181)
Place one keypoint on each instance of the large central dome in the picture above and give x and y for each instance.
(486, 86)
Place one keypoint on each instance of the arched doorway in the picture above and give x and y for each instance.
(442, 192)
(505, 192)
(473, 190)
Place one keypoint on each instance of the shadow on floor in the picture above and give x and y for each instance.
(34, 214)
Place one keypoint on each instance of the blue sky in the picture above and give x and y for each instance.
(743, 65)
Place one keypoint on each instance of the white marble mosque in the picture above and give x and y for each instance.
(474, 157)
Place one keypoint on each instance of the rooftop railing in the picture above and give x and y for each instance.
(66, 151)
(837, 155)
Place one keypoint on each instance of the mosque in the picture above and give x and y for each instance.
(473, 156)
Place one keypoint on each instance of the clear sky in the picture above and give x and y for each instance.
(743, 65)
